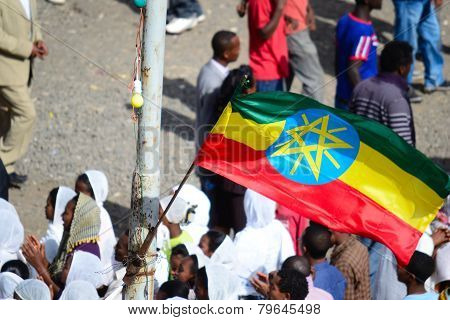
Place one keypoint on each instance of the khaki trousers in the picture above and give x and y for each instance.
(17, 117)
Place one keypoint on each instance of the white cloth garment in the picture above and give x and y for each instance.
(177, 211)
(79, 290)
(194, 249)
(8, 283)
(116, 287)
(86, 266)
(222, 283)
(5, 205)
(225, 254)
(107, 242)
(199, 205)
(264, 243)
(426, 244)
(33, 289)
(55, 228)
(11, 235)
(442, 271)
(26, 8)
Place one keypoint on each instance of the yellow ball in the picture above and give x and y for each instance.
(137, 100)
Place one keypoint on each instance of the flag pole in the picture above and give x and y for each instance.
(146, 177)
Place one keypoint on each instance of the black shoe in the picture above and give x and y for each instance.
(413, 96)
(444, 86)
(15, 180)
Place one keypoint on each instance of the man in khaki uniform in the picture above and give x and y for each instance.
(20, 42)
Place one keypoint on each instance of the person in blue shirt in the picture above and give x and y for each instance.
(356, 50)
(418, 270)
(316, 241)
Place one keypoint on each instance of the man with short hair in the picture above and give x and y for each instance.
(352, 259)
(356, 50)
(418, 270)
(384, 98)
(316, 241)
(226, 48)
(287, 284)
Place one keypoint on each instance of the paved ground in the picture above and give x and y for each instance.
(83, 102)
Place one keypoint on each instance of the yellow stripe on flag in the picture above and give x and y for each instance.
(257, 136)
(383, 181)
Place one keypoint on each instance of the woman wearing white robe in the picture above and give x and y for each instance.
(87, 267)
(79, 290)
(55, 229)
(222, 283)
(8, 283)
(99, 184)
(199, 206)
(264, 243)
(11, 234)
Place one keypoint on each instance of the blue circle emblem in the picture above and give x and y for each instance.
(315, 147)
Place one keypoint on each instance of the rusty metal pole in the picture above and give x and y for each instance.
(146, 177)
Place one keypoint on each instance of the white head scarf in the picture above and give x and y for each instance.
(225, 254)
(264, 243)
(5, 205)
(442, 271)
(11, 235)
(195, 197)
(85, 266)
(177, 211)
(8, 283)
(99, 184)
(260, 210)
(55, 228)
(33, 289)
(222, 284)
(79, 290)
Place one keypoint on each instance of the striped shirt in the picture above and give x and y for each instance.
(384, 99)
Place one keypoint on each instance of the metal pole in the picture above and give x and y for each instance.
(146, 177)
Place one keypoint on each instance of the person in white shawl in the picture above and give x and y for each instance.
(11, 234)
(87, 267)
(97, 188)
(32, 289)
(197, 219)
(216, 282)
(79, 290)
(56, 205)
(8, 283)
(7, 206)
(264, 243)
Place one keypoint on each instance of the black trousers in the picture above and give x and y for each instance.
(4, 182)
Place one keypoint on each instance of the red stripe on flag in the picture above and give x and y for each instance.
(335, 204)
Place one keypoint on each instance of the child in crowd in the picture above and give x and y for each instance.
(56, 205)
(94, 184)
(418, 270)
(173, 289)
(179, 252)
(356, 50)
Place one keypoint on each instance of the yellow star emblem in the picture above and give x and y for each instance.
(326, 141)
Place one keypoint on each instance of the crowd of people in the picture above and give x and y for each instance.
(223, 241)
(79, 258)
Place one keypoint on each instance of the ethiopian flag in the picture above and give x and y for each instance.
(344, 171)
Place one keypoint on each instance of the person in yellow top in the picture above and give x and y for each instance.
(172, 221)
(20, 42)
